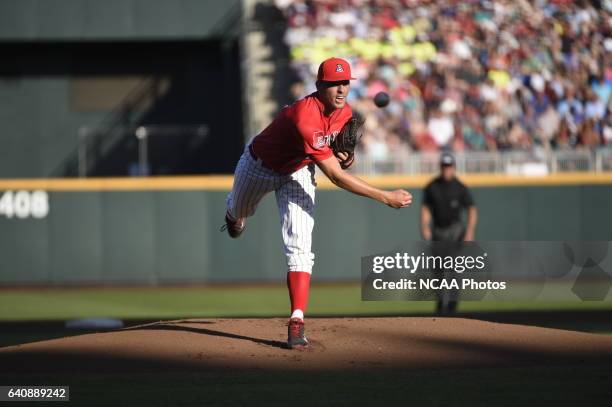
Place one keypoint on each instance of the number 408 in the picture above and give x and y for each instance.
(24, 204)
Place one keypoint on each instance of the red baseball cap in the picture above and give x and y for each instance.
(334, 70)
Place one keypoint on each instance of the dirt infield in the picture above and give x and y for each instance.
(337, 344)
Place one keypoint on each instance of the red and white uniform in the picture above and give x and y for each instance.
(299, 135)
(281, 159)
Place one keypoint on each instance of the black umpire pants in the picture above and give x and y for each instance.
(447, 298)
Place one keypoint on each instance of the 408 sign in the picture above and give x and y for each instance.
(24, 204)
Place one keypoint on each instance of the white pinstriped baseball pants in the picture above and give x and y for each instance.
(295, 196)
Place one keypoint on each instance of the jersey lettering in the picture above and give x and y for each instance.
(320, 140)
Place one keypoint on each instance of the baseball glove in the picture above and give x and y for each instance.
(347, 139)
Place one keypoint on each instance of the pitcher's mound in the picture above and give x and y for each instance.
(337, 343)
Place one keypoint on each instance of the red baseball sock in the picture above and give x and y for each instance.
(298, 283)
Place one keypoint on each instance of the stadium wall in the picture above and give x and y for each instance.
(69, 20)
(70, 65)
(166, 230)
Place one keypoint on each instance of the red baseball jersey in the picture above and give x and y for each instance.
(299, 135)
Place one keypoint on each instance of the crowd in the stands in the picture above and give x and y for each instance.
(465, 75)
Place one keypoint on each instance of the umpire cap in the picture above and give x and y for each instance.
(447, 159)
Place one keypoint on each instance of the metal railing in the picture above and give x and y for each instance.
(101, 139)
(89, 136)
(536, 162)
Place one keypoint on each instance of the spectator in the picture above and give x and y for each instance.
(476, 75)
(441, 127)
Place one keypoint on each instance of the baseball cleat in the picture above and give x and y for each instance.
(234, 227)
(296, 337)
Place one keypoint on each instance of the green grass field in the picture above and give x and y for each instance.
(533, 386)
(228, 301)
(530, 386)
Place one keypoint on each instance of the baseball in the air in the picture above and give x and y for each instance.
(381, 99)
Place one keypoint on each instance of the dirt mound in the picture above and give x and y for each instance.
(337, 343)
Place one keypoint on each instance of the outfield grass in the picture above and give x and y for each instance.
(228, 301)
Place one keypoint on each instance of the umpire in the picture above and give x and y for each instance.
(444, 200)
